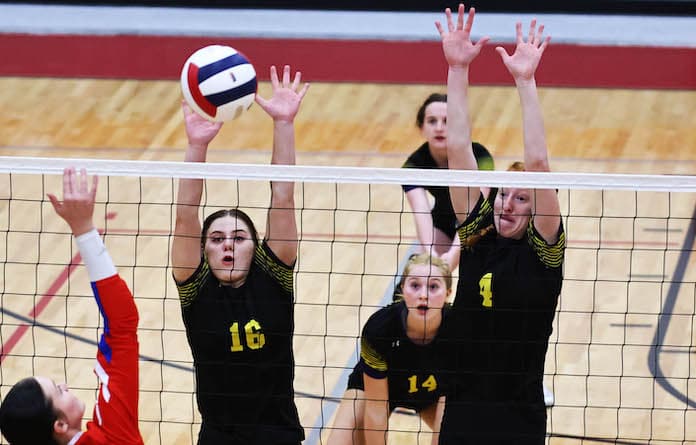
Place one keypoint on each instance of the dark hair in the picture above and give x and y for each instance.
(435, 97)
(235, 213)
(26, 415)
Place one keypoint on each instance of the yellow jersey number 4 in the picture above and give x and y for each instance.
(485, 290)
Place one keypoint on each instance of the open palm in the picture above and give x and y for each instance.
(285, 101)
(522, 64)
(200, 131)
(459, 50)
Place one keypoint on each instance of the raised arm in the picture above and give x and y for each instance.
(376, 410)
(186, 247)
(282, 107)
(460, 52)
(522, 65)
(116, 411)
(420, 206)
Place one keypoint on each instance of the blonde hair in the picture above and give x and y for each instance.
(427, 260)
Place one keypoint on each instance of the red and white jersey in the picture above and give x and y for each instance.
(115, 418)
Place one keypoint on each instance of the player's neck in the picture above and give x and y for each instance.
(421, 332)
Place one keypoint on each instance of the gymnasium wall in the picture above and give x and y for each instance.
(598, 50)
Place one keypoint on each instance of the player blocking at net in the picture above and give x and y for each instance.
(37, 411)
(236, 292)
(511, 264)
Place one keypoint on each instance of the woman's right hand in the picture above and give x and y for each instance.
(522, 64)
(199, 130)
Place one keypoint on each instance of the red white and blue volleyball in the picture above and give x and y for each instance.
(218, 82)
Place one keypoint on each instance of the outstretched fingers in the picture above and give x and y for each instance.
(469, 19)
(296, 84)
(82, 182)
(303, 91)
(539, 36)
(450, 23)
(460, 18)
(460, 25)
(541, 41)
(532, 32)
(286, 76)
(93, 191)
(76, 190)
(440, 29)
(296, 80)
(274, 77)
(518, 33)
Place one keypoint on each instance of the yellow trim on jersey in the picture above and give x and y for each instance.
(466, 230)
(189, 291)
(551, 255)
(281, 272)
(371, 357)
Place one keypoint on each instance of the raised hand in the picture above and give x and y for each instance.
(456, 41)
(77, 206)
(524, 61)
(199, 130)
(286, 99)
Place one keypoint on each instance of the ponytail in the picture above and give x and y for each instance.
(471, 240)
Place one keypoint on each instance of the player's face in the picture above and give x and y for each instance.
(70, 408)
(229, 248)
(425, 292)
(513, 209)
(434, 128)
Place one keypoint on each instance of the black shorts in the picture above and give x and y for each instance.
(356, 381)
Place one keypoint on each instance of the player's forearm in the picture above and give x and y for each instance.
(424, 228)
(535, 150)
(191, 189)
(95, 256)
(112, 293)
(376, 422)
(459, 151)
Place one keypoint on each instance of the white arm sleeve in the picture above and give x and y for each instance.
(95, 256)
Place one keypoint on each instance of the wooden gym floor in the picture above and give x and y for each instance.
(629, 275)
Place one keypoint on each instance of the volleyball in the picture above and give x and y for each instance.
(218, 82)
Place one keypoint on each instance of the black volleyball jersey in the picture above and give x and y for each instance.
(504, 308)
(415, 372)
(241, 341)
(442, 212)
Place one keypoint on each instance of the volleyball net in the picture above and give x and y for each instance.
(621, 360)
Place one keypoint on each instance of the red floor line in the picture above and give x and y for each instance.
(39, 307)
(16, 336)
